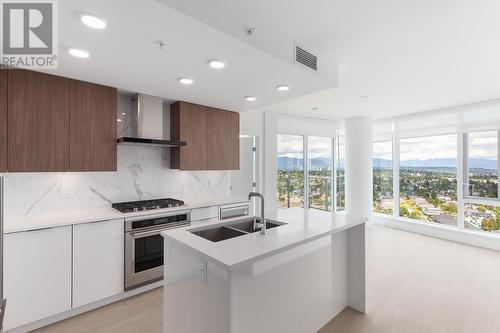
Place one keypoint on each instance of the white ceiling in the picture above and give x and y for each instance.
(125, 55)
(404, 55)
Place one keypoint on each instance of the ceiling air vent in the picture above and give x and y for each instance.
(306, 58)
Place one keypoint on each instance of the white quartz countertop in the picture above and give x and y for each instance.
(302, 226)
(49, 220)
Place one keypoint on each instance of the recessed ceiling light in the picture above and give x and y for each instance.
(250, 98)
(217, 64)
(78, 53)
(93, 22)
(282, 88)
(119, 120)
(186, 81)
(123, 113)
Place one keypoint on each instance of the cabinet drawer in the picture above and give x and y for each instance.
(232, 212)
(205, 213)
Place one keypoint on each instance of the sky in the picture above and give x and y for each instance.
(481, 145)
(436, 147)
(292, 146)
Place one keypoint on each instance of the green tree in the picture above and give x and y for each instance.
(497, 223)
(488, 224)
(415, 215)
(403, 210)
(450, 208)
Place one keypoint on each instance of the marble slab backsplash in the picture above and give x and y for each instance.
(143, 173)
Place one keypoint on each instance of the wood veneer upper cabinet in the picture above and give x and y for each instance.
(38, 122)
(212, 138)
(188, 122)
(92, 127)
(3, 120)
(216, 139)
(223, 140)
(232, 142)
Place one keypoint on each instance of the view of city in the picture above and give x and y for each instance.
(428, 180)
(427, 177)
(290, 164)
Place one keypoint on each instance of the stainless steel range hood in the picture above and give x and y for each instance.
(147, 126)
(141, 142)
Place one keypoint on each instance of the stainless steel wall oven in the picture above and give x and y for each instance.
(144, 246)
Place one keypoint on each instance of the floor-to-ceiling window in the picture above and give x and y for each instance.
(445, 167)
(428, 179)
(320, 172)
(382, 178)
(305, 172)
(481, 207)
(482, 164)
(290, 165)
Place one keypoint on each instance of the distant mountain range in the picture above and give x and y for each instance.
(290, 163)
(475, 163)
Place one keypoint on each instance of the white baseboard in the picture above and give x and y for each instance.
(82, 309)
(474, 238)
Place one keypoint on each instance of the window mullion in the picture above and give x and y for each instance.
(462, 167)
(332, 191)
(498, 163)
(306, 172)
(334, 171)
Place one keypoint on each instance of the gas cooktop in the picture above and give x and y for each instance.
(137, 206)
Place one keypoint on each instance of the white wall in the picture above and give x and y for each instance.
(306, 126)
(252, 123)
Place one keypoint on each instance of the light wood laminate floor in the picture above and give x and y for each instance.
(415, 284)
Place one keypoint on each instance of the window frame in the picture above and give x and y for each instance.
(393, 179)
(336, 152)
(468, 199)
(332, 160)
(304, 162)
(462, 177)
(465, 184)
(305, 145)
(396, 181)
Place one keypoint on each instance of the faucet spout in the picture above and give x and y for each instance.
(262, 224)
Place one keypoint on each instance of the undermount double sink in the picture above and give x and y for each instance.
(232, 229)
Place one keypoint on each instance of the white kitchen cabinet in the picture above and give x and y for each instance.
(37, 275)
(290, 291)
(97, 261)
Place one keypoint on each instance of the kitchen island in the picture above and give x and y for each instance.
(295, 278)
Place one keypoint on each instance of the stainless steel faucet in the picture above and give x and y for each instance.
(262, 224)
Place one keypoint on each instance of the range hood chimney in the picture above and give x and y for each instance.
(146, 124)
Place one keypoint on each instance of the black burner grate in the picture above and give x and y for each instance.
(137, 206)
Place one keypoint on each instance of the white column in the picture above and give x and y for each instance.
(358, 166)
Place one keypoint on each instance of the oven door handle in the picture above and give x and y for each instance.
(146, 233)
(156, 231)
